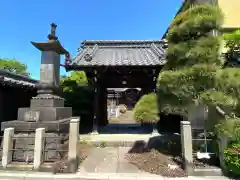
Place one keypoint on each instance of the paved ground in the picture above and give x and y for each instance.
(108, 160)
(95, 176)
(102, 164)
(124, 124)
(127, 118)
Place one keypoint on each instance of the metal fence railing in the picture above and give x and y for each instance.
(23, 149)
(204, 147)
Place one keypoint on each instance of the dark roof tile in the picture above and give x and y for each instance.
(120, 53)
(9, 78)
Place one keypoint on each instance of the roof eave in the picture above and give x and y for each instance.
(88, 67)
(29, 82)
(118, 42)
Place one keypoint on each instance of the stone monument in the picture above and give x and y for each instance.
(47, 108)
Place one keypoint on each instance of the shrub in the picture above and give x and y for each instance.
(232, 158)
(146, 111)
(122, 108)
(102, 144)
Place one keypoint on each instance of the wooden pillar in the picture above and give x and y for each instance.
(105, 116)
(96, 103)
(154, 80)
(100, 106)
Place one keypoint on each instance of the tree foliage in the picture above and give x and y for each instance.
(231, 85)
(193, 60)
(13, 66)
(232, 41)
(146, 111)
(77, 93)
(75, 79)
(195, 73)
(195, 22)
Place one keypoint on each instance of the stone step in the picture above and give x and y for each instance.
(208, 172)
(116, 140)
(20, 166)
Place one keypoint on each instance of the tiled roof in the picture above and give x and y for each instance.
(120, 53)
(7, 78)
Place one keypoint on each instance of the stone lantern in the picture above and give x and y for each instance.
(47, 108)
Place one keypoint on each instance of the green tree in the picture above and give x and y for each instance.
(77, 93)
(232, 43)
(13, 66)
(194, 74)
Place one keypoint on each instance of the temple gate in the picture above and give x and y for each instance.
(118, 64)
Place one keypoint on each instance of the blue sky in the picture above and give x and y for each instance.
(22, 21)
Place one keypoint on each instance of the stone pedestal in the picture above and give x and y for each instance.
(25, 136)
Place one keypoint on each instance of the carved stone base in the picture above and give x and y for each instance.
(24, 138)
(23, 145)
(47, 103)
(50, 126)
(44, 113)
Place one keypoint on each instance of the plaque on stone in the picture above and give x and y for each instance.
(46, 73)
(50, 67)
(32, 116)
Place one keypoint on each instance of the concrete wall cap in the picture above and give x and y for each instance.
(185, 123)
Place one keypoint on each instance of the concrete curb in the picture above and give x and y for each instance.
(93, 176)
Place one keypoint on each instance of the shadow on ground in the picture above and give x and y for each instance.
(169, 144)
(124, 129)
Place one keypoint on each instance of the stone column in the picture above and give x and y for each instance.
(7, 146)
(50, 68)
(187, 150)
(73, 141)
(38, 148)
(222, 144)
